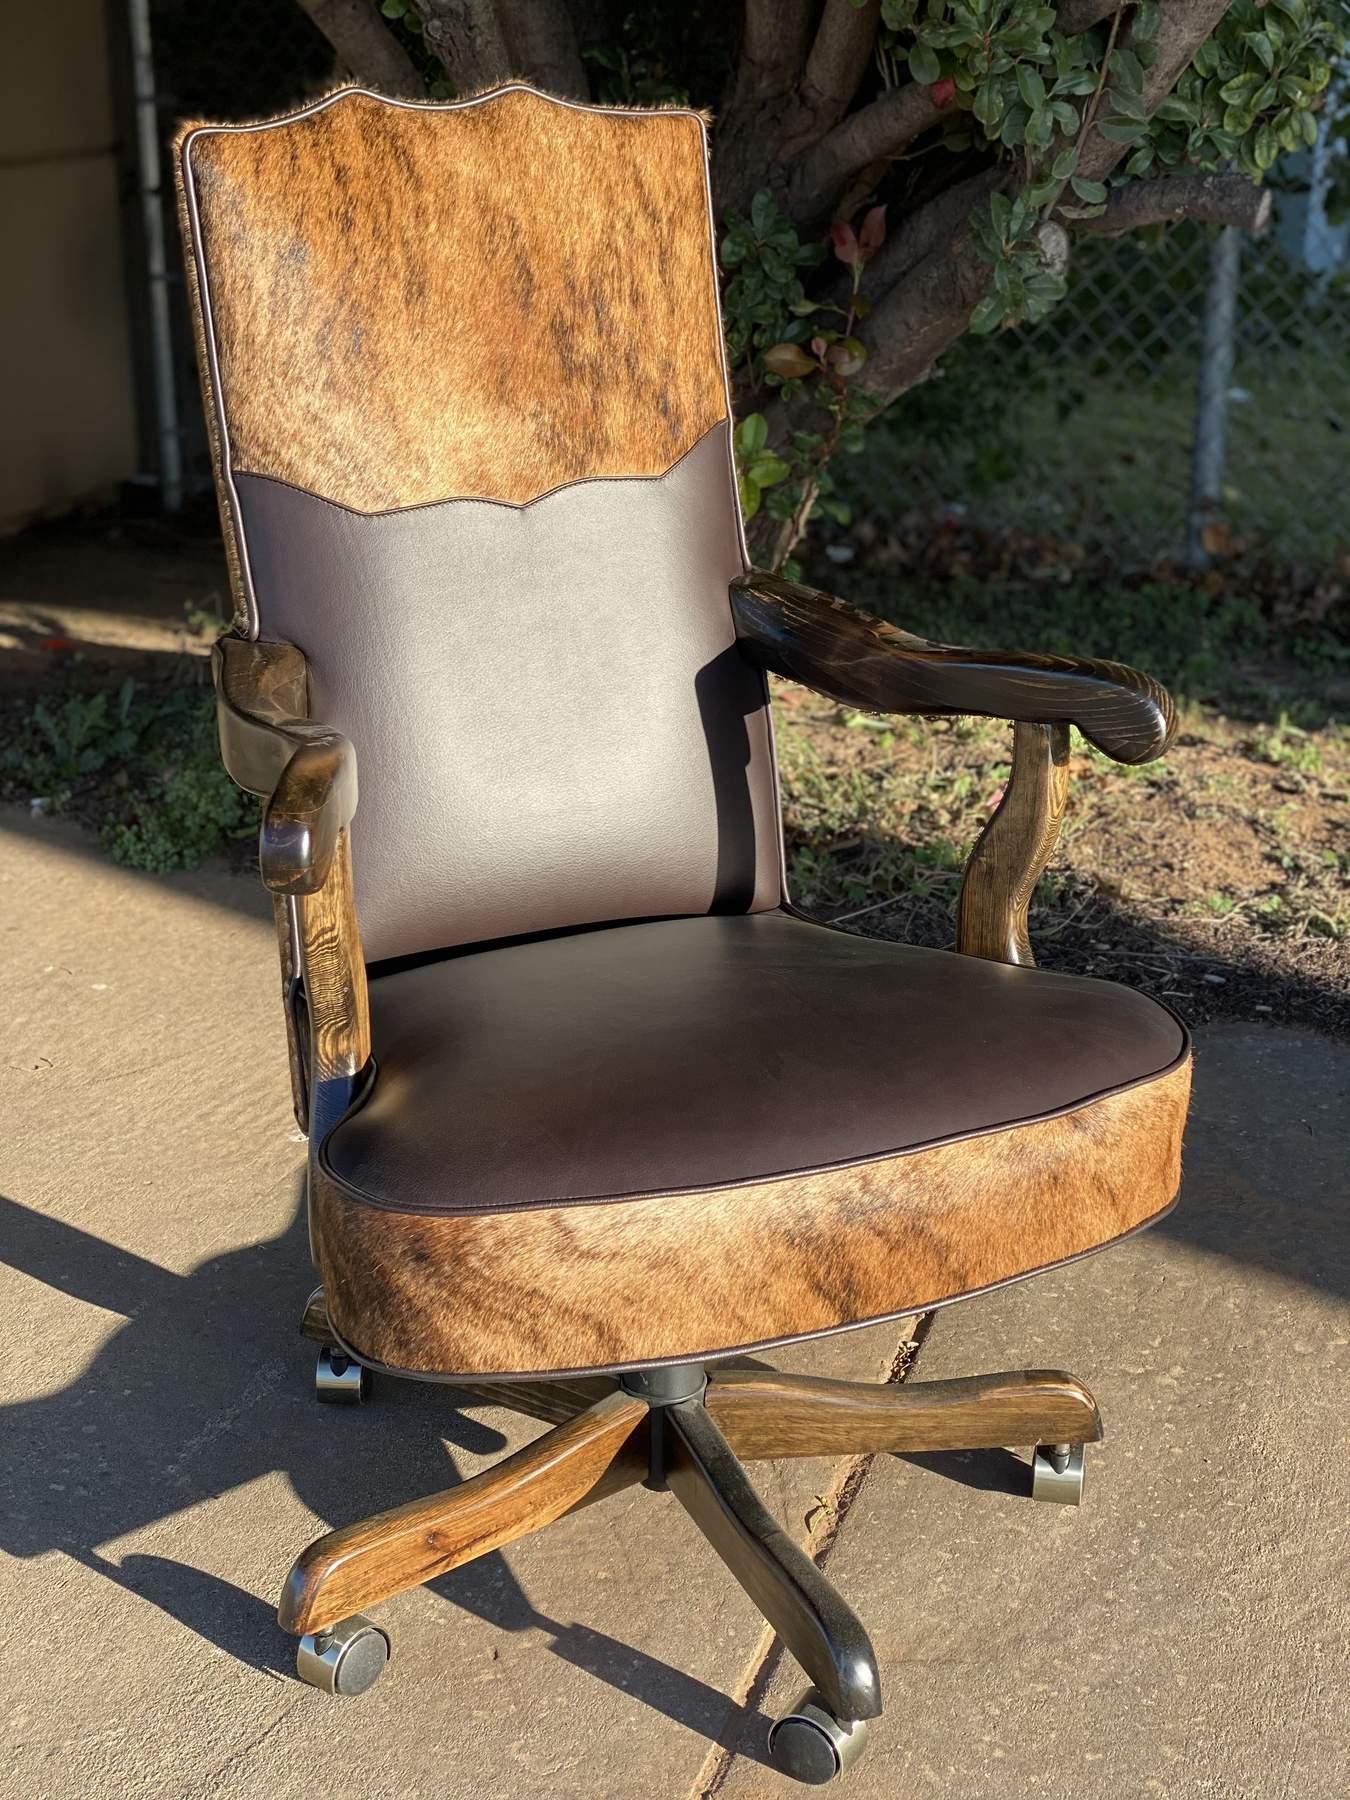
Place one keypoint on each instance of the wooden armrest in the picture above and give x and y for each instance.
(825, 644)
(306, 773)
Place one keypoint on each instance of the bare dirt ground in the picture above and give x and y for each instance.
(1216, 879)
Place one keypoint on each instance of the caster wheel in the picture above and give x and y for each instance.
(811, 1745)
(337, 1378)
(1057, 1474)
(345, 1659)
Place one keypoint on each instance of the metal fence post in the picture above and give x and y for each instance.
(164, 384)
(1211, 394)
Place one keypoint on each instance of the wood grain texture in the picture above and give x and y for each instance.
(483, 299)
(767, 1414)
(1011, 853)
(598, 1452)
(822, 642)
(335, 987)
(824, 1634)
(689, 1276)
(307, 775)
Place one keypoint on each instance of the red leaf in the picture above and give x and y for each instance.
(942, 93)
(873, 233)
(819, 346)
(845, 243)
(57, 643)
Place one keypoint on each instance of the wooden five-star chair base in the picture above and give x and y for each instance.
(685, 1429)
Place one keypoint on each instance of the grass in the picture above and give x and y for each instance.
(138, 765)
(1091, 458)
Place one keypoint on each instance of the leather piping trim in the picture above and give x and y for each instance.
(227, 470)
(517, 506)
(758, 1180)
(724, 1354)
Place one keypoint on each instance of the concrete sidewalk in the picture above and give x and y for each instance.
(1184, 1635)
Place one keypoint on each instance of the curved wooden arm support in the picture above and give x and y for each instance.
(1012, 851)
(306, 773)
(828, 645)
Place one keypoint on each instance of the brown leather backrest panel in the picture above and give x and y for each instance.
(552, 722)
(414, 303)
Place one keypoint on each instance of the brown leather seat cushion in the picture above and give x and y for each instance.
(668, 1141)
(712, 1052)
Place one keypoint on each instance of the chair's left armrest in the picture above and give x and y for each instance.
(824, 643)
(828, 645)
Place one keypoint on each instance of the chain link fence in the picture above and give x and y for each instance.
(1119, 422)
(1190, 397)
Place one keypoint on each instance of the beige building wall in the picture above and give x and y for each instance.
(67, 424)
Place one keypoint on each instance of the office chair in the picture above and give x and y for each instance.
(596, 1115)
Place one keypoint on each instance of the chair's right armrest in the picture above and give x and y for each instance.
(305, 772)
(307, 776)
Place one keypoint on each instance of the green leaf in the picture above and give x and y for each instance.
(1030, 85)
(1122, 131)
(768, 471)
(1240, 86)
(1128, 105)
(1127, 73)
(923, 64)
(987, 316)
(1258, 42)
(750, 498)
(1065, 163)
(752, 434)
(1147, 16)
(1176, 111)
(988, 108)
(1091, 191)
(763, 213)
(394, 9)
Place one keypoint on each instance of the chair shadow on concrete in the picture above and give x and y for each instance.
(208, 1385)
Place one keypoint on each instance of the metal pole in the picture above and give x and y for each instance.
(1211, 397)
(157, 268)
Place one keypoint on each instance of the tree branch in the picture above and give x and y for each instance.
(1217, 199)
(838, 59)
(1073, 16)
(467, 40)
(366, 46)
(542, 42)
(882, 128)
(774, 46)
(1183, 26)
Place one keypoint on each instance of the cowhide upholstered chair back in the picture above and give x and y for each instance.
(466, 385)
